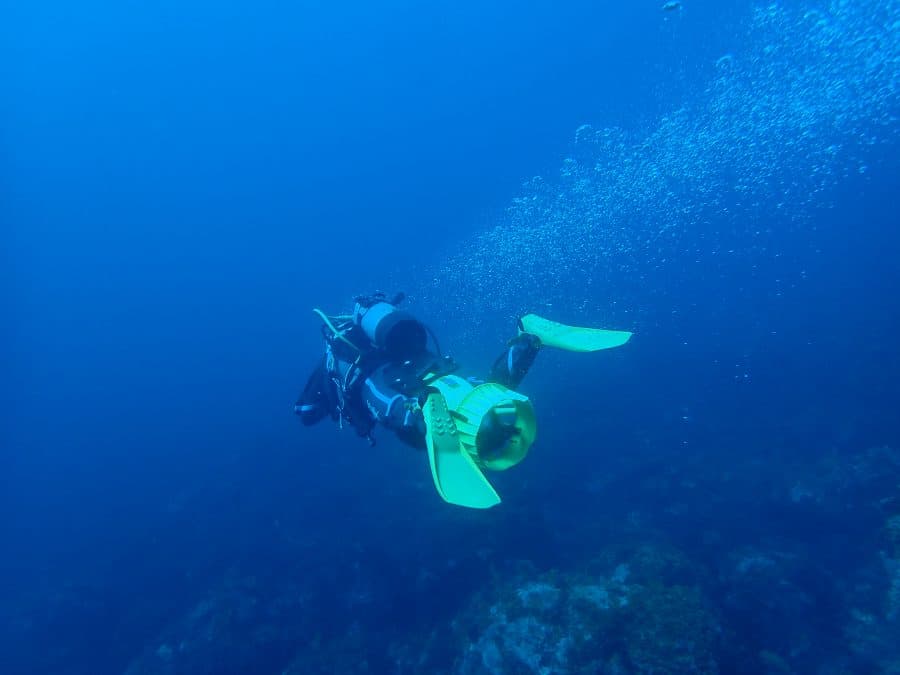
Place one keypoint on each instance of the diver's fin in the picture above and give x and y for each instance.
(457, 479)
(572, 338)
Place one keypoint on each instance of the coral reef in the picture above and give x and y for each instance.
(809, 583)
(242, 625)
(622, 621)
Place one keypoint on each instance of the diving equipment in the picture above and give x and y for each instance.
(378, 370)
(491, 428)
(456, 477)
(572, 338)
(496, 425)
(392, 330)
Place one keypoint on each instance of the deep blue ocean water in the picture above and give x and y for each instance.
(181, 183)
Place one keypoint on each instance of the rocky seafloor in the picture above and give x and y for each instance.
(704, 568)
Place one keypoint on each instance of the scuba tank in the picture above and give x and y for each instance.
(376, 356)
(391, 330)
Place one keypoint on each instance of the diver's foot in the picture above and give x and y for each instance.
(525, 342)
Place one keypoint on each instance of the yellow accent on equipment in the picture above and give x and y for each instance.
(572, 338)
(474, 428)
(339, 334)
(456, 477)
(473, 406)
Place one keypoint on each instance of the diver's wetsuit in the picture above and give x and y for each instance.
(512, 365)
(381, 365)
(389, 388)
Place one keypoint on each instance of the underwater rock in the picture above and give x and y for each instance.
(576, 623)
(241, 625)
(773, 664)
(538, 596)
(892, 529)
(754, 562)
(873, 635)
(670, 630)
(800, 493)
(347, 654)
(779, 598)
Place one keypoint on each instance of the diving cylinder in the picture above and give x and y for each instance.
(391, 329)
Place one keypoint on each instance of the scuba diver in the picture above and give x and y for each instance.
(378, 368)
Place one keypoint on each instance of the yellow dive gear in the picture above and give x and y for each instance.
(471, 428)
(457, 479)
(572, 338)
(490, 427)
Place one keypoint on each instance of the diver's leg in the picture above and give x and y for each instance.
(512, 365)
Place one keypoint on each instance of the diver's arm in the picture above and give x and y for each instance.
(313, 404)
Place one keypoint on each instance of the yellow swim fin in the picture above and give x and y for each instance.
(572, 338)
(457, 479)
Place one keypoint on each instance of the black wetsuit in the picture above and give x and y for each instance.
(376, 389)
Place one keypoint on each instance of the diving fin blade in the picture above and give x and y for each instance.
(457, 479)
(572, 338)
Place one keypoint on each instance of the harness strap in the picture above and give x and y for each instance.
(339, 334)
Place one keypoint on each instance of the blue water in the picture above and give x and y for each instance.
(180, 183)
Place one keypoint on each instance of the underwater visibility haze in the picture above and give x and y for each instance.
(181, 184)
